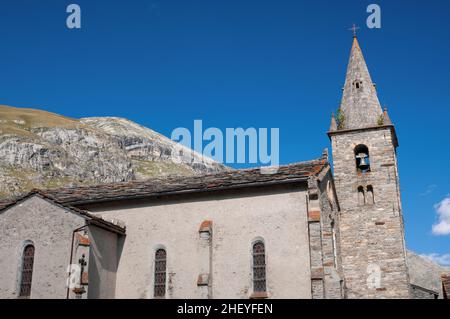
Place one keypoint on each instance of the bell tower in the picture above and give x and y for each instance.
(364, 146)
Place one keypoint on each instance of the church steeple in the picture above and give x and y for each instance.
(333, 124)
(365, 168)
(360, 106)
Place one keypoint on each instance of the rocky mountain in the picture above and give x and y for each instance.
(39, 149)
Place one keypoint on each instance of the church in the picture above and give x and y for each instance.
(309, 230)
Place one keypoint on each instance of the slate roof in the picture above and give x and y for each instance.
(5, 202)
(191, 184)
(181, 185)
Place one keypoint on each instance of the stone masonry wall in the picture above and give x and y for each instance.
(372, 235)
(323, 223)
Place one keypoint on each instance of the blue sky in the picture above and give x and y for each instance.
(242, 63)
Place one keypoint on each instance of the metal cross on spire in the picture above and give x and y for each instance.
(354, 28)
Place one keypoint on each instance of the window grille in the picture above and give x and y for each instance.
(27, 271)
(259, 267)
(160, 273)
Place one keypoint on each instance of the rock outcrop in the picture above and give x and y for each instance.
(39, 149)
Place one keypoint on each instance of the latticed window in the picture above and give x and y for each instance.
(160, 273)
(27, 271)
(259, 267)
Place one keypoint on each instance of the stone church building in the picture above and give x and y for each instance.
(302, 231)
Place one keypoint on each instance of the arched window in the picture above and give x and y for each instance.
(259, 267)
(370, 196)
(361, 196)
(27, 271)
(160, 273)
(362, 158)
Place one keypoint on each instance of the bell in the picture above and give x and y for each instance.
(362, 161)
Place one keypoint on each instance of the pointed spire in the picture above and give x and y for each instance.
(386, 118)
(333, 125)
(325, 154)
(360, 105)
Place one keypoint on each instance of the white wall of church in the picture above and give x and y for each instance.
(102, 263)
(49, 228)
(278, 215)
